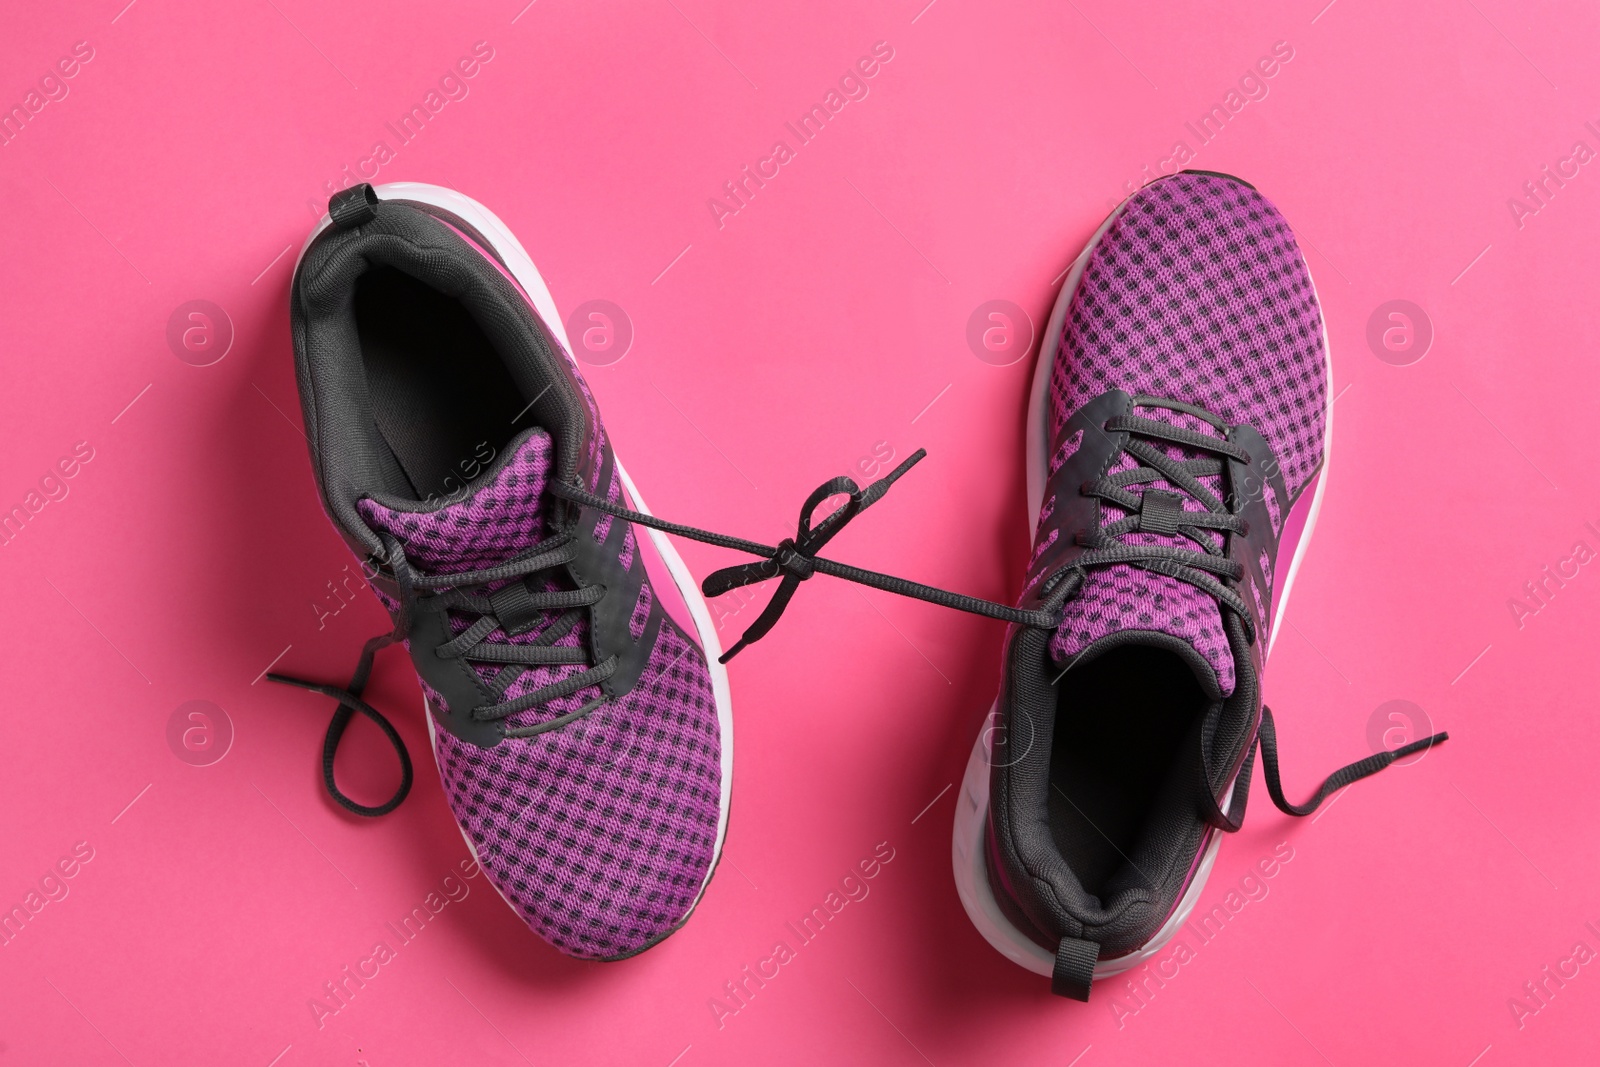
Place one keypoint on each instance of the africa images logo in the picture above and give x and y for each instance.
(852, 86)
(854, 887)
(1538, 192)
(339, 991)
(1251, 87)
(51, 88)
(453, 85)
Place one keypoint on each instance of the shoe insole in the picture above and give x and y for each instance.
(440, 392)
(1121, 721)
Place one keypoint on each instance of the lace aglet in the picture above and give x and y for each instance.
(875, 491)
(301, 683)
(910, 461)
(1419, 746)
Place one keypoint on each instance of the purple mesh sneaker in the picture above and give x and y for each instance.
(1176, 452)
(578, 712)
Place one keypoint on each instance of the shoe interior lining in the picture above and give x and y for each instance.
(440, 391)
(1120, 727)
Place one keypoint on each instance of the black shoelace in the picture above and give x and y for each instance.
(1207, 568)
(1267, 737)
(1201, 569)
(795, 559)
(466, 592)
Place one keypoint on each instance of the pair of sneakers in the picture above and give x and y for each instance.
(576, 695)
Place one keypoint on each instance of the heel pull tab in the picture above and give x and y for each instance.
(1074, 970)
(352, 207)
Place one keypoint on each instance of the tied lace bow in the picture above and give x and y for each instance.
(796, 559)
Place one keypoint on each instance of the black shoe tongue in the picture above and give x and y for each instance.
(1120, 599)
(494, 518)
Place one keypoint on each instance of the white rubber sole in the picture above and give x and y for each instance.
(521, 267)
(967, 852)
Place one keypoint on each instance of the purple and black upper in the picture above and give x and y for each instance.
(572, 708)
(1186, 428)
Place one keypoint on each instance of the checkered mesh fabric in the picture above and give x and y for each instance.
(1197, 292)
(641, 612)
(495, 522)
(599, 833)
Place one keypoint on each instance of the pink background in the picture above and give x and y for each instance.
(774, 352)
